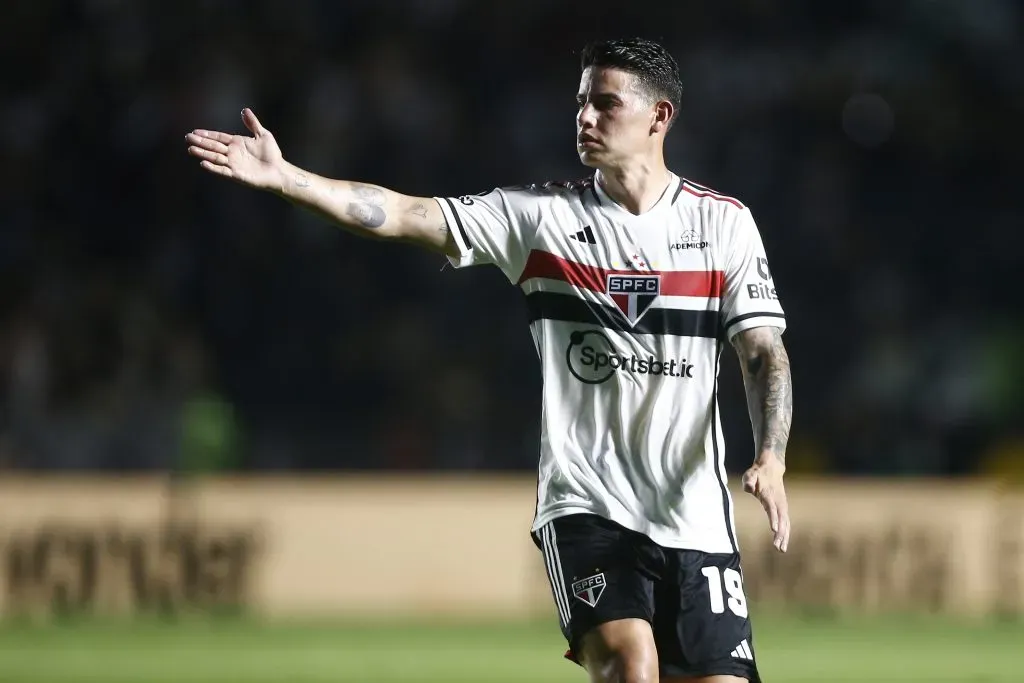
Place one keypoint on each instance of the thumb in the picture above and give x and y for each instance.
(750, 480)
(252, 123)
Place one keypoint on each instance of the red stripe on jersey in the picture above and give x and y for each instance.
(542, 264)
(713, 195)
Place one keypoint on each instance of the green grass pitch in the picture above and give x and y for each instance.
(789, 651)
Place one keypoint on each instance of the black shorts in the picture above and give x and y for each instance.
(600, 571)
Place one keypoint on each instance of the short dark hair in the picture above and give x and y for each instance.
(651, 63)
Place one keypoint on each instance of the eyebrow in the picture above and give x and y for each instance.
(601, 96)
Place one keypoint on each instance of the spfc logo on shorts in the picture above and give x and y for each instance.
(634, 294)
(589, 590)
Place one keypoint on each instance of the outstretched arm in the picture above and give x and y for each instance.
(363, 209)
(769, 389)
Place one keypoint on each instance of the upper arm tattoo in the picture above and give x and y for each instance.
(368, 209)
(418, 209)
(769, 385)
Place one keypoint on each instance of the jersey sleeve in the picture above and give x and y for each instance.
(750, 298)
(490, 228)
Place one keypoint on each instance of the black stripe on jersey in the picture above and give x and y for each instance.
(703, 188)
(746, 316)
(458, 223)
(667, 321)
(717, 452)
(678, 190)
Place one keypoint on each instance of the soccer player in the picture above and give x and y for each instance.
(634, 279)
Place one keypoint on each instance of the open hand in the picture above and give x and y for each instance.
(764, 481)
(254, 161)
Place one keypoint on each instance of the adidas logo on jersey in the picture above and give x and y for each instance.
(586, 235)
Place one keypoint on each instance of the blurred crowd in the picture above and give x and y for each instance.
(153, 316)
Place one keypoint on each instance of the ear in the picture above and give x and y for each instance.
(663, 112)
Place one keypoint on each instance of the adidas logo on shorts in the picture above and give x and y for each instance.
(743, 651)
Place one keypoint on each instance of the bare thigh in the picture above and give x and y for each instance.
(705, 679)
(620, 651)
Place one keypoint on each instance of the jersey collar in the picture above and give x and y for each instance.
(611, 205)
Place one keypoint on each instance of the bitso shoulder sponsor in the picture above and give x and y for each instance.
(760, 290)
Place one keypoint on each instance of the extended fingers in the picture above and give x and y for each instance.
(219, 170)
(211, 144)
(785, 526)
(208, 156)
(777, 508)
(216, 135)
(772, 509)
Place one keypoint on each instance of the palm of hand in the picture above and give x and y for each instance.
(255, 161)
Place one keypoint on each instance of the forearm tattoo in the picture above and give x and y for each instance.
(769, 388)
(368, 208)
(301, 180)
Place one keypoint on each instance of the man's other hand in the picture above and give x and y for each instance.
(764, 481)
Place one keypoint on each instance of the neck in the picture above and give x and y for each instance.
(636, 187)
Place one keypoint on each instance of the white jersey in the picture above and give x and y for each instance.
(629, 315)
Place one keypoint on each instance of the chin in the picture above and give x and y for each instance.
(589, 158)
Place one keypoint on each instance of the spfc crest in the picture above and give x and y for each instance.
(633, 294)
(589, 590)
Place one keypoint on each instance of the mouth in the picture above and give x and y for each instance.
(586, 141)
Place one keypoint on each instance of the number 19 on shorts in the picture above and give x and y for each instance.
(722, 583)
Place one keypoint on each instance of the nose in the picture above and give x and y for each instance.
(585, 116)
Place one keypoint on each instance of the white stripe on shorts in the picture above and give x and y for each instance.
(554, 566)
